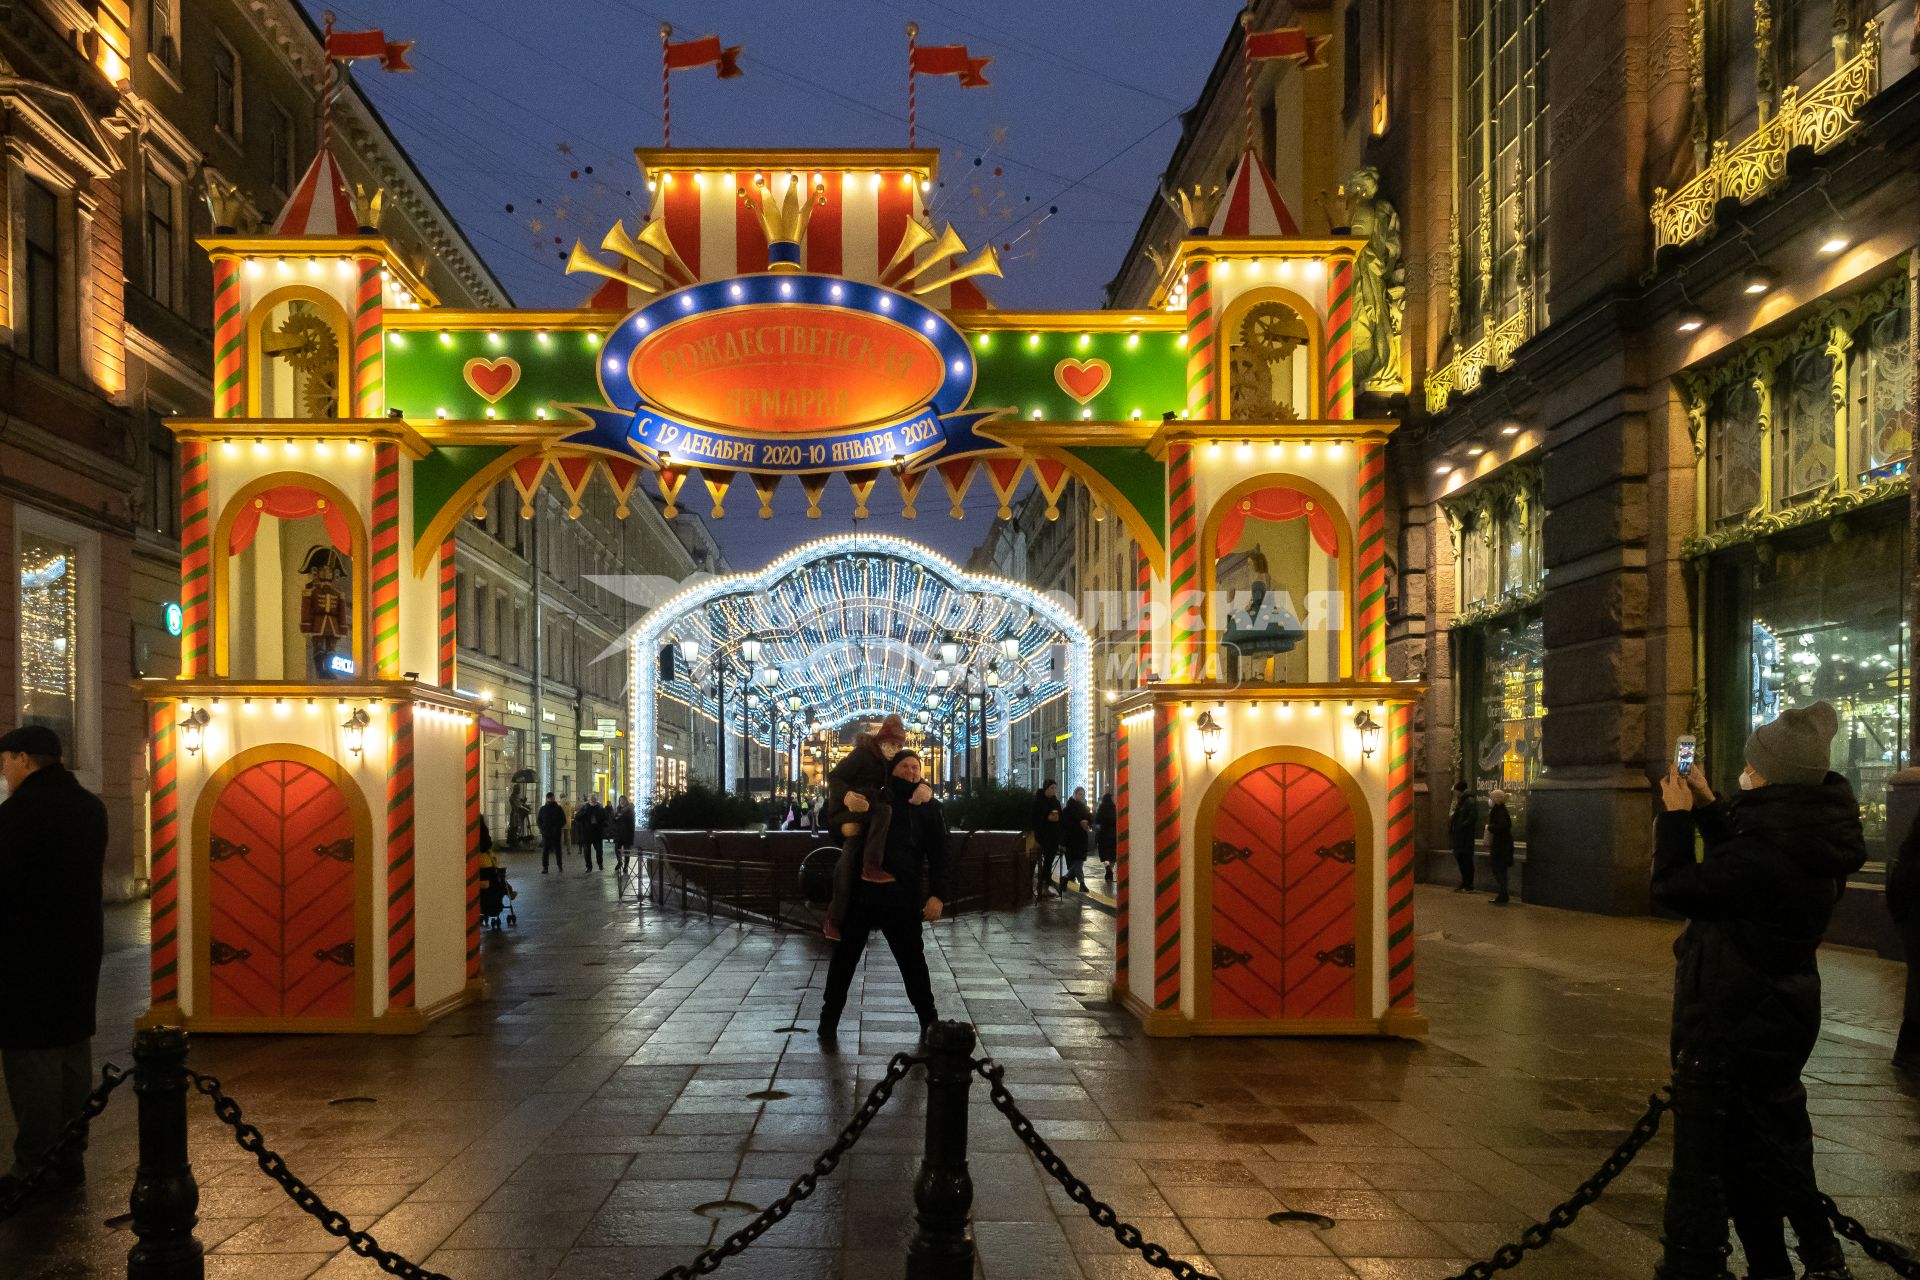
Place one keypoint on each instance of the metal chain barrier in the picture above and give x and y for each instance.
(1540, 1234)
(1887, 1252)
(75, 1134)
(708, 1260)
(332, 1221)
(1077, 1191)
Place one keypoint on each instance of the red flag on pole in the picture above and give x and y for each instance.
(950, 60)
(705, 52)
(1287, 43)
(346, 46)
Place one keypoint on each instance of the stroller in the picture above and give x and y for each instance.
(496, 896)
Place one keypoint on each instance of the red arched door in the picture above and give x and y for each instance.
(1283, 904)
(281, 900)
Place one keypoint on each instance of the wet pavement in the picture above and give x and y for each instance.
(633, 1090)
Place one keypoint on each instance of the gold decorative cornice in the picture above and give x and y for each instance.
(1817, 119)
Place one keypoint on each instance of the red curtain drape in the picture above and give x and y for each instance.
(289, 502)
(1277, 504)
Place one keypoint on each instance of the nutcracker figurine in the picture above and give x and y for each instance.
(325, 609)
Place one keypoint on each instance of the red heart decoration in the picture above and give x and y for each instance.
(492, 378)
(1083, 379)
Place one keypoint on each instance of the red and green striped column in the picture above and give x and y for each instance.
(1371, 613)
(1203, 374)
(1143, 587)
(1400, 856)
(1183, 564)
(1340, 338)
(369, 357)
(386, 561)
(1166, 860)
(229, 341)
(400, 868)
(196, 562)
(163, 868)
(449, 622)
(1123, 805)
(473, 851)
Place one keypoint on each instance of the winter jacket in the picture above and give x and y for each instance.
(1046, 832)
(1903, 878)
(553, 819)
(916, 851)
(623, 826)
(1746, 986)
(53, 848)
(1499, 836)
(862, 769)
(1463, 823)
(1107, 823)
(1074, 819)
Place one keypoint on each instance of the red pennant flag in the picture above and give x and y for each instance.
(1288, 43)
(346, 46)
(705, 52)
(950, 60)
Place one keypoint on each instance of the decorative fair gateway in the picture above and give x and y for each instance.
(316, 785)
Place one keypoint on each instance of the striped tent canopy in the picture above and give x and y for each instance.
(1253, 206)
(321, 204)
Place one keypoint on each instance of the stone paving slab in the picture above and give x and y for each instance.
(594, 1118)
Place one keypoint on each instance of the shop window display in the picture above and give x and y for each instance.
(1504, 708)
(50, 636)
(1881, 392)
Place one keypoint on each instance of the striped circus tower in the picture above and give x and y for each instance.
(1183, 564)
(400, 867)
(386, 561)
(164, 855)
(1167, 838)
(369, 355)
(196, 562)
(1340, 338)
(1400, 856)
(1203, 378)
(1371, 614)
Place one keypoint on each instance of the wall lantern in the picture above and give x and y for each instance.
(193, 730)
(1369, 732)
(1209, 734)
(355, 727)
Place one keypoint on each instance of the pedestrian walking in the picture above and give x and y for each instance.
(53, 847)
(553, 828)
(1462, 825)
(623, 834)
(915, 858)
(1746, 1009)
(1499, 844)
(1106, 829)
(1076, 831)
(599, 827)
(1903, 903)
(1046, 835)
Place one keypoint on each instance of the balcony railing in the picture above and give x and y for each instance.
(1818, 118)
(1464, 372)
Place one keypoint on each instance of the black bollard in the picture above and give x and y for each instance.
(1693, 1234)
(942, 1246)
(166, 1199)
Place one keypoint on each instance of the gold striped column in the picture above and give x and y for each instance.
(369, 356)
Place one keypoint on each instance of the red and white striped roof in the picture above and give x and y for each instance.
(321, 205)
(853, 233)
(1253, 206)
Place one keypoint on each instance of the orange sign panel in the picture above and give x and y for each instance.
(787, 368)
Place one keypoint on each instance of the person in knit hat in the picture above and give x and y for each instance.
(860, 808)
(1746, 1009)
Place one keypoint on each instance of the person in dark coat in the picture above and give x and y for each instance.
(1046, 835)
(1499, 844)
(860, 808)
(553, 829)
(1903, 904)
(1463, 824)
(1106, 830)
(916, 890)
(1076, 828)
(53, 848)
(623, 833)
(1746, 990)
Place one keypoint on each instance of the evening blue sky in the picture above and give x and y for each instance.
(511, 103)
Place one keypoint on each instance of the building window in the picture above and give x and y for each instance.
(1476, 562)
(1500, 665)
(226, 89)
(1805, 40)
(1803, 412)
(1733, 471)
(41, 283)
(163, 479)
(280, 146)
(1880, 396)
(161, 277)
(1502, 170)
(1350, 64)
(1733, 91)
(163, 38)
(50, 584)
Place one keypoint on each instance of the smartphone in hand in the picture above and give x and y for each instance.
(1683, 749)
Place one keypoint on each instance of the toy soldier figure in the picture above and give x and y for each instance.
(325, 610)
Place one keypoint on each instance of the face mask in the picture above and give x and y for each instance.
(889, 749)
(1746, 780)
